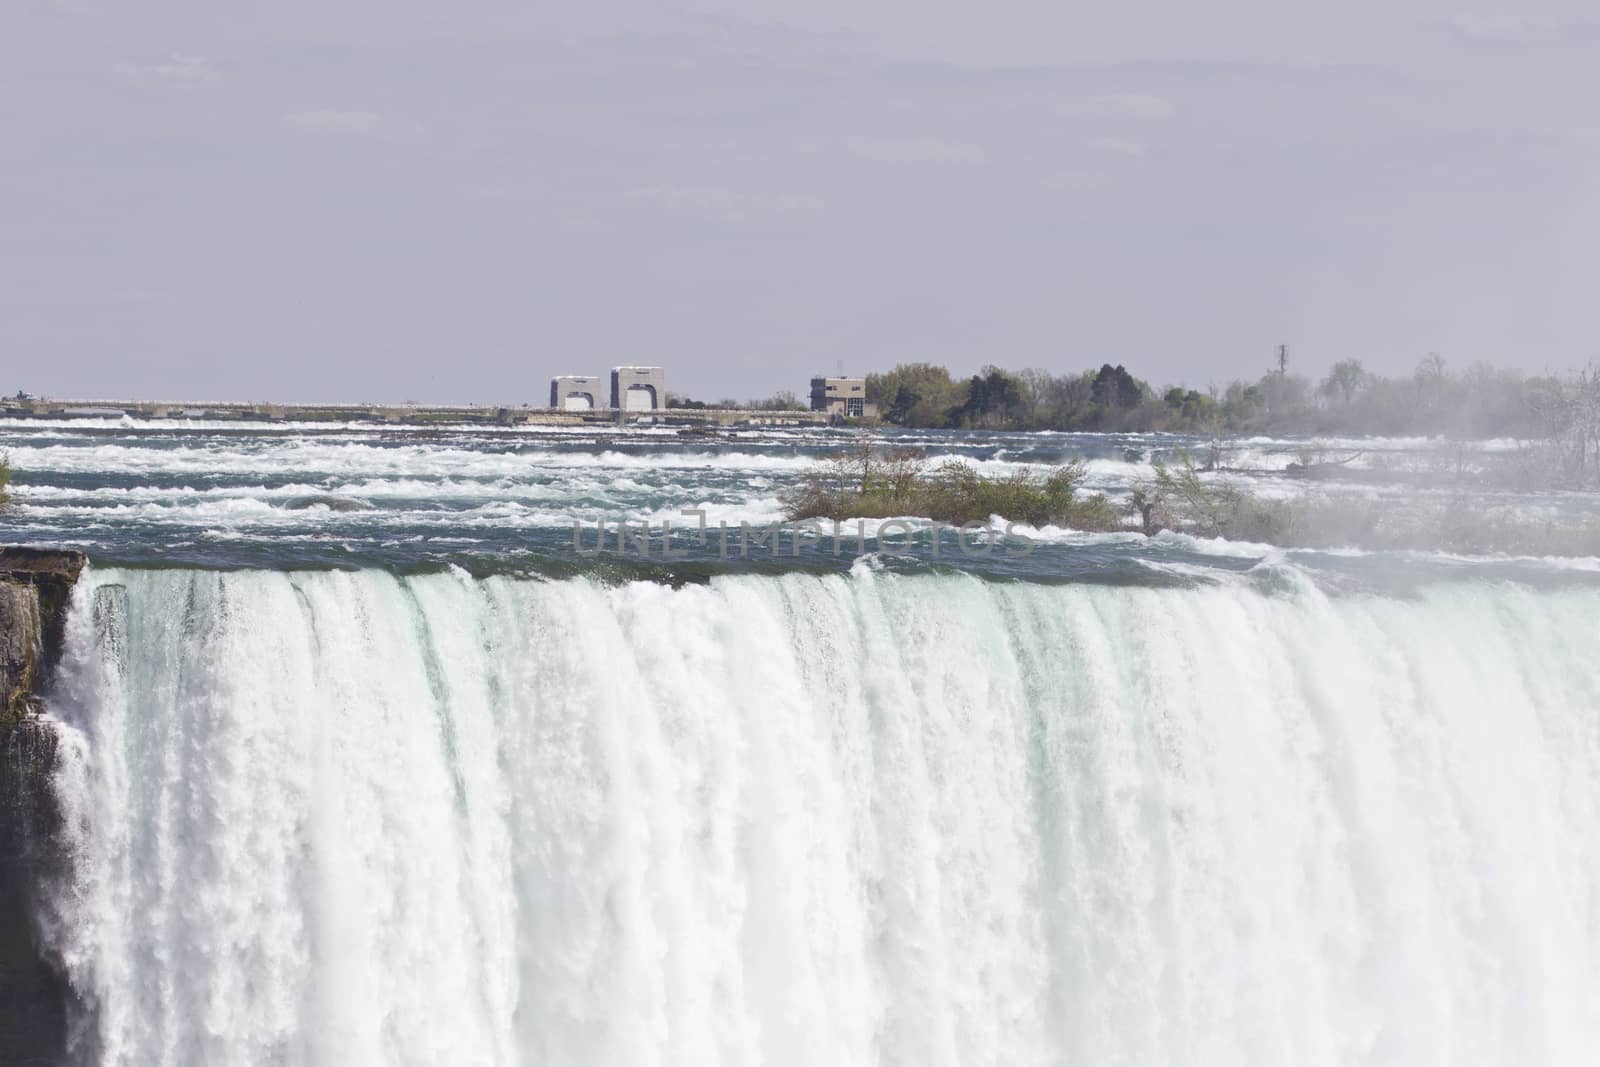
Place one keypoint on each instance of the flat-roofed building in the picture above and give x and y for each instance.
(638, 388)
(842, 397)
(575, 392)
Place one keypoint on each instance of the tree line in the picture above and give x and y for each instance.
(782, 400)
(1480, 401)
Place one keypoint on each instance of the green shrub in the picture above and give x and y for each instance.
(1182, 500)
(862, 482)
(1179, 499)
(869, 483)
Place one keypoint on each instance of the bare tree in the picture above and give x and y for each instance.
(1344, 378)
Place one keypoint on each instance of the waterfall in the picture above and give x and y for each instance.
(921, 820)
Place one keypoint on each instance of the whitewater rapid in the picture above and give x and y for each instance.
(258, 494)
(353, 818)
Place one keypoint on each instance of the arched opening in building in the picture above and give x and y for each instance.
(639, 398)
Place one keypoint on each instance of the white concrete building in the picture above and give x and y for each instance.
(575, 392)
(841, 397)
(638, 388)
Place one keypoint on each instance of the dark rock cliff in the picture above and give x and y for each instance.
(35, 587)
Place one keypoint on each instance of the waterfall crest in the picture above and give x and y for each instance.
(354, 818)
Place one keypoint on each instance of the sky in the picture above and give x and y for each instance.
(360, 200)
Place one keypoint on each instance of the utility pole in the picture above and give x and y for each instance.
(1283, 360)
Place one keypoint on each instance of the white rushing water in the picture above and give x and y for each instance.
(350, 818)
(235, 494)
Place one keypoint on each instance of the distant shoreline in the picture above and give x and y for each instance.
(180, 412)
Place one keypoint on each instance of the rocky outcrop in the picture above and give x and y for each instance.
(19, 652)
(35, 588)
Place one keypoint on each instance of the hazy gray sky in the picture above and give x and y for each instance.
(354, 199)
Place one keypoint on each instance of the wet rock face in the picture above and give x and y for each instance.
(34, 995)
(52, 572)
(35, 587)
(19, 650)
(20, 563)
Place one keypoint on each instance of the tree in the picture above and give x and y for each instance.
(1344, 378)
(1571, 416)
(1286, 396)
(902, 404)
(1477, 400)
(915, 394)
(1114, 387)
(782, 400)
(1243, 404)
(1431, 369)
(1062, 403)
(1431, 384)
(1192, 408)
(994, 398)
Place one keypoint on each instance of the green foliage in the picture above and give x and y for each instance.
(1114, 387)
(782, 400)
(5, 479)
(1479, 401)
(872, 483)
(1194, 408)
(1242, 406)
(1182, 499)
(994, 399)
(915, 394)
(955, 492)
(679, 402)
